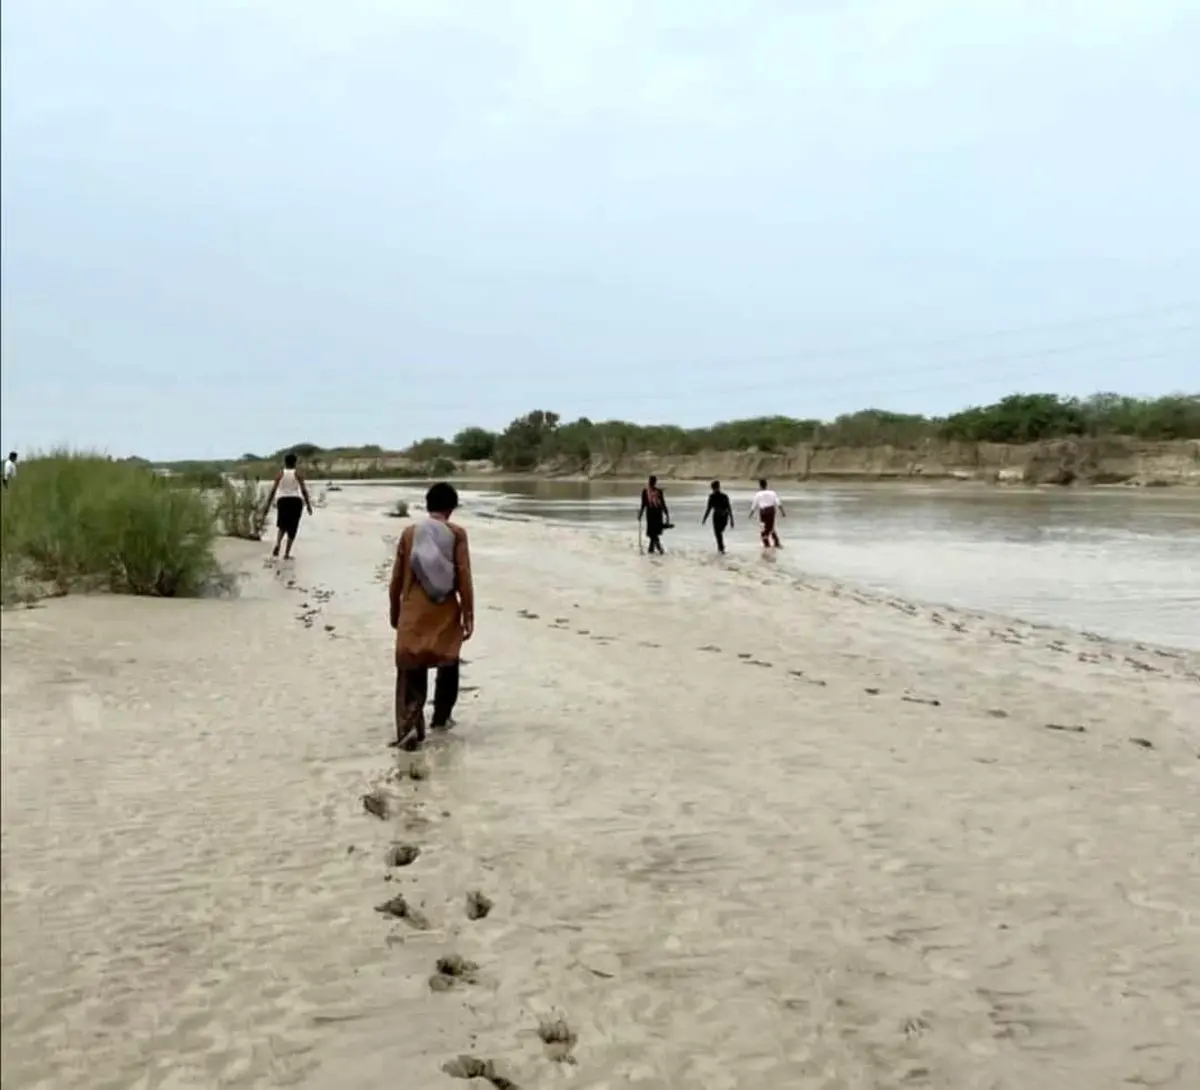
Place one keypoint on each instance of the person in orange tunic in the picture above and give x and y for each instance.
(432, 608)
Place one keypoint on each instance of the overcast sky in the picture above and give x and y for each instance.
(229, 226)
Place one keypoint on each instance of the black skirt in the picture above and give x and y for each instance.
(288, 510)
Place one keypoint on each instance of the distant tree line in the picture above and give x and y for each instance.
(540, 437)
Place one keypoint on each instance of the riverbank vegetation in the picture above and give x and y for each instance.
(73, 521)
(543, 438)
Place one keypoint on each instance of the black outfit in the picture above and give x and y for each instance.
(654, 508)
(412, 688)
(288, 510)
(721, 511)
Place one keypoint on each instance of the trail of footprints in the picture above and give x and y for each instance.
(1009, 634)
(451, 971)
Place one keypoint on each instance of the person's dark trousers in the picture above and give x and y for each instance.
(655, 545)
(412, 692)
(719, 533)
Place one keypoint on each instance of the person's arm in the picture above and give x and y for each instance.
(274, 488)
(709, 509)
(782, 512)
(304, 492)
(666, 513)
(753, 506)
(729, 511)
(645, 504)
(466, 583)
(396, 584)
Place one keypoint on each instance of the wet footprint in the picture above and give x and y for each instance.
(472, 1067)
(479, 905)
(452, 970)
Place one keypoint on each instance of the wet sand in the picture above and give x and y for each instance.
(737, 830)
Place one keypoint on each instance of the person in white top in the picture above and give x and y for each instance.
(291, 499)
(10, 467)
(766, 504)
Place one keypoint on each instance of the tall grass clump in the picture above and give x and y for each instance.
(79, 521)
(240, 510)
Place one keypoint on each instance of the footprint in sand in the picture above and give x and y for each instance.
(997, 713)
(871, 692)
(452, 970)
(377, 804)
(711, 648)
(810, 680)
(583, 632)
(759, 662)
(399, 909)
(479, 904)
(526, 615)
(648, 643)
(472, 1067)
(559, 1039)
(402, 855)
(745, 655)
(1066, 728)
(933, 702)
(1145, 743)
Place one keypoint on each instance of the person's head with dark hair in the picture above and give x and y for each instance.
(289, 460)
(762, 483)
(716, 486)
(12, 455)
(441, 499)
(653, 480)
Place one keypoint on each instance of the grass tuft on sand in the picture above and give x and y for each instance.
(80, 521)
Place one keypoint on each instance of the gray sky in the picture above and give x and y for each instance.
(237, 224)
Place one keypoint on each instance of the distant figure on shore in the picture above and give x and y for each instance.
(431, 600)
(654, 511)
(766, 505)
(721, 511)
(290, 494)
(10, 467)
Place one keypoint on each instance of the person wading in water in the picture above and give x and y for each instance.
(722, 514)
(431, 601)
(654, 510)
(767, 505)
(290, 494)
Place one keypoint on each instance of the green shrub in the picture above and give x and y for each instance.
(241, 511)
(83, 521)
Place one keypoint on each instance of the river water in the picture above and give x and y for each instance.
(1120, 563)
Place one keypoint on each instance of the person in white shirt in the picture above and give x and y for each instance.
(291, 501)
(766, 504)
(10, 467)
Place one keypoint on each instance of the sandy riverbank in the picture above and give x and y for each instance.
(741, 831)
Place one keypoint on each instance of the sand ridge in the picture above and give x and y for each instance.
(732, 828)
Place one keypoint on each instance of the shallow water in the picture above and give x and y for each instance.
(1118, 563)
